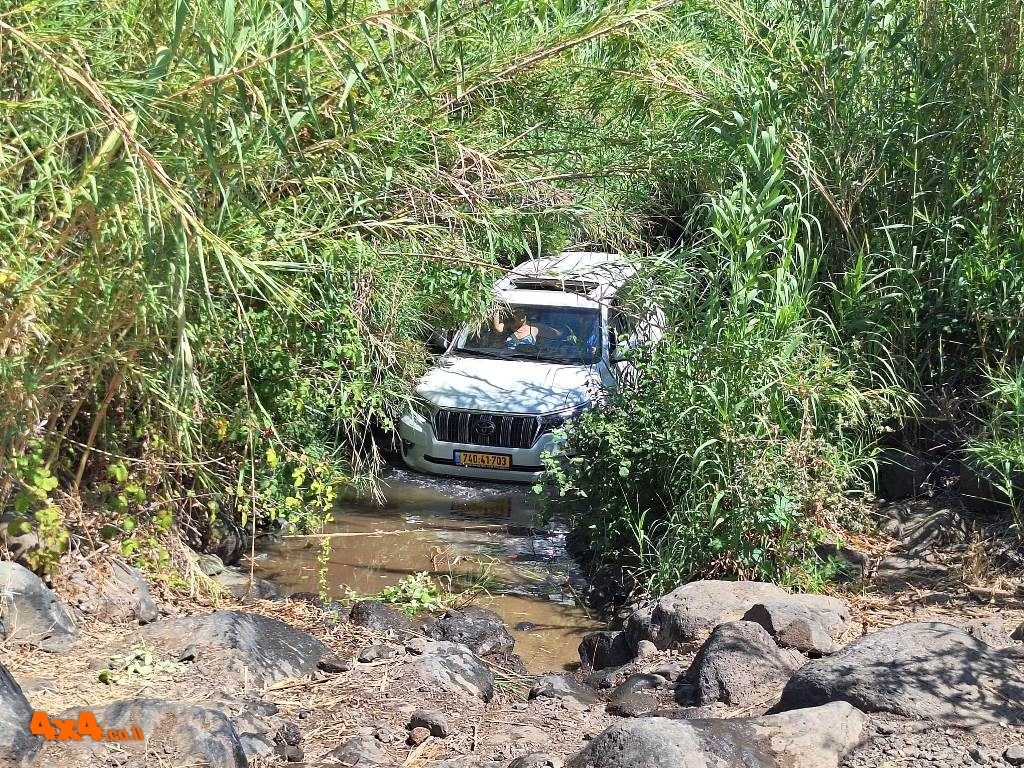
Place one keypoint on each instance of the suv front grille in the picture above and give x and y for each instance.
(492, 430)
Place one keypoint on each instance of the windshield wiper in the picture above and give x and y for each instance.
(524, 356)
(475, 353)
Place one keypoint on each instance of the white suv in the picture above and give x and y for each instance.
(489, 407)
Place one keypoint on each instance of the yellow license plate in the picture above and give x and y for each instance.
(485, 460)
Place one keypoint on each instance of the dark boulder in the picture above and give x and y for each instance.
(181, 733)
(688, 614)
(380, 618)
(480, 630)
(635, 683)
(793, 624)
(607, 678)
(240, 643)
(931, 671)
(633, 705)
(454, 668)
(740, 665)
(17, 744)
(256, 725)
(112, 592)
(30, 613)
(563, 687)
(600, 650)
(247, 588)
(808, 738)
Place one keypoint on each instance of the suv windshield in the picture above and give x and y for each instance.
(536, 332)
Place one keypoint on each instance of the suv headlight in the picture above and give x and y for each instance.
(552, 421)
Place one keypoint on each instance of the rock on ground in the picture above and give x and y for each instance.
(431, 719)
(454, 668)
(600, 650)
(802, 625)
(268, 649)
(689, 613)
(360, 751)
(17, 744)
(741, 665)
(1018, 633)
(180, 733)
(931, 671)
(479, 629)
(831, 613)
(378, 617)
(30, 612)
(374, 652)
(563, 687)
(989, 630)
(639, 681)
(247, 589)
(633, 705)
(806, 738)
(113, 596)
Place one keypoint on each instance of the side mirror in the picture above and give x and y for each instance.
(438, 340)
(621, 351)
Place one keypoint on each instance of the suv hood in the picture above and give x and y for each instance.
(509, 386)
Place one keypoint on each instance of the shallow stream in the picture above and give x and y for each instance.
(463, 533)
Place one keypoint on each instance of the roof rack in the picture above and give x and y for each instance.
(554, 283)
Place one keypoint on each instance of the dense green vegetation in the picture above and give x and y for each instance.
(856, 264)
(225, 227)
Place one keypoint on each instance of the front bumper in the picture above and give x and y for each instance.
(424, 453)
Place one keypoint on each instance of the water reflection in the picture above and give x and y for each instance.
(467, 534)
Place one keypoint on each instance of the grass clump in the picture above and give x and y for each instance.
(733, 449)
(996, 451)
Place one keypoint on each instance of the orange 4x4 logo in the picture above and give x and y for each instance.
(74, 729)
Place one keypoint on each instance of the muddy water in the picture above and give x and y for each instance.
(464, 534)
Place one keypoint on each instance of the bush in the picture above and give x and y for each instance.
(998, 446)
(731, 455)
(733, 449)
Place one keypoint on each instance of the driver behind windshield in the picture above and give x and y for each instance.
(520, 330)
